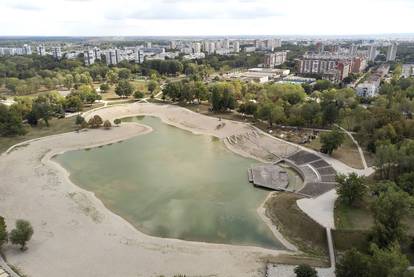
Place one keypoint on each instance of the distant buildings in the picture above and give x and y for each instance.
(331, 66)
(139, 55)
(196, 48)
(57, 53)
(392, 52)
(236, 47)
(370, 87)
(40, 50)
(27, 50)
(97, 53)
(274, 59)
(112, 56)
(89, 57)
(372, 53)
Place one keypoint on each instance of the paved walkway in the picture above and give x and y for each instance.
(321, 208)
(7, 268)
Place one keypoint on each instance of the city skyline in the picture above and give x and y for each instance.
(204, 17)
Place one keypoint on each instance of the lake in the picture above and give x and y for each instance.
(172, 183)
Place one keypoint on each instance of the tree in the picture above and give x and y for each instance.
(152, 86)
(388, 262)
(104, 87)
(95, 122)
(124, 88)
(22, 233)
(406, 182)
(305, 270)
(124, 73)
(112, 77)
(331, 141)
(3, 232)
(107, 124)
(73, 103)
(353, 264)
(43, 108)
(390, 209)
(351, 188)
(10, 122)
(80, 120)
(138, 94)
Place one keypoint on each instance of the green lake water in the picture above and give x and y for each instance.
(172, 183)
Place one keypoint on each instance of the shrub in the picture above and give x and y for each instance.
(138, 95)
(95, 122)
(117, 121)
(107, 125)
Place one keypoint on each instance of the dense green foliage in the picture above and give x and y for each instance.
(22, 233)
(387, 262)
(351, 189)
(305, 270)
(3, 232)
(330, 141)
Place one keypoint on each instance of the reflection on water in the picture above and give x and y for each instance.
(171, 183)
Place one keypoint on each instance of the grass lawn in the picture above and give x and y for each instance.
(57, 126)
(350, 218)
(140, 85)
(347, 153)
(295, 225)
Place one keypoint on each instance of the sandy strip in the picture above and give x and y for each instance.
(75, 235)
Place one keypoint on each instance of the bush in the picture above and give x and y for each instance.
(138, 95)
(95, 122)
(117, 121)
(305, 270)
(107, 125)
(3, 232)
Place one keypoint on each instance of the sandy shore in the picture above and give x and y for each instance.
(75, 235)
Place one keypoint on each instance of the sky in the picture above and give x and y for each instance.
(204, 17)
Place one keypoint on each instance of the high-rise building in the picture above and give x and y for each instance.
(372, 53)
(89, 57)
(226, 44)
(353, 50)
(112, 56)
(139, 55)
(206, 46)
(57, 52)
(27, 50)
(41, 51)
(148, 44)
(236, 47)
(392, 52)
(212, 48)
(273, 59)
(320, 47)
(97, 53)
(196, 48)
(173, 45)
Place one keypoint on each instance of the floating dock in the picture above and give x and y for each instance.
(269, 176)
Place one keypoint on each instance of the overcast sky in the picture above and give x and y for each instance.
(205, 17)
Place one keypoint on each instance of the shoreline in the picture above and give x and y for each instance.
(237, 253)
(261, 211)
